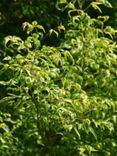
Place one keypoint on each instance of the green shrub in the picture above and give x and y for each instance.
(60, 100)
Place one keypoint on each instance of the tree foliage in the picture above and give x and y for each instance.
(60, 99)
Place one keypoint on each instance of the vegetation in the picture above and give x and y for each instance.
(58, 80)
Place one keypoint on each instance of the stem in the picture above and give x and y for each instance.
(87, 7)
(78, 1)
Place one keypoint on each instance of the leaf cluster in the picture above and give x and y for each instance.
(60, 100)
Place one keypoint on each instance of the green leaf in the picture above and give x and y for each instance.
(95, 5)
(52, 31)
(76, 131)
(93, 132)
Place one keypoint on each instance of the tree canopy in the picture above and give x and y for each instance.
(58, 78)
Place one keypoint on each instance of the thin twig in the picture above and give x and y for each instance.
(87, 7)
(78, 1)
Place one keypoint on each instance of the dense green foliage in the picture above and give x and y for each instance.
(58, 85)
(14, 12)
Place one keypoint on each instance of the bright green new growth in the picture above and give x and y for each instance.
(60, 100)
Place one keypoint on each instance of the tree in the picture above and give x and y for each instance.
(60, 100)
